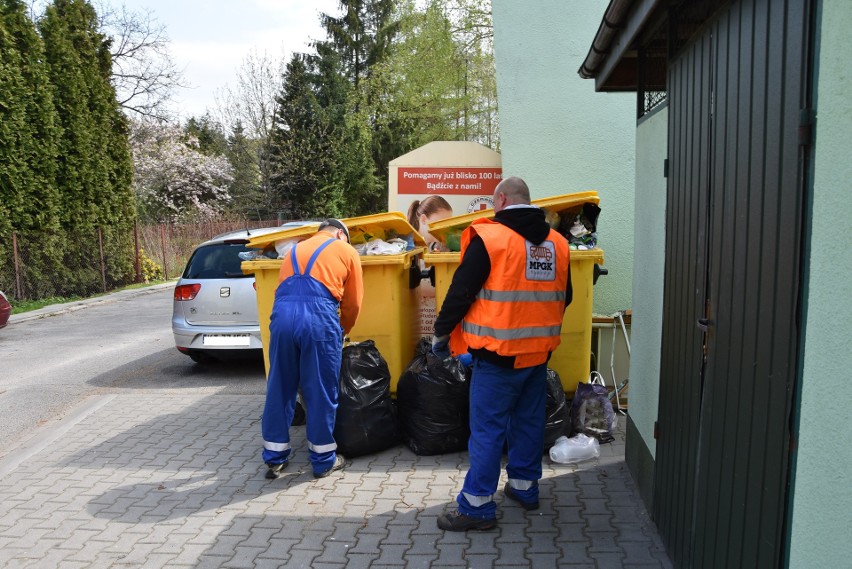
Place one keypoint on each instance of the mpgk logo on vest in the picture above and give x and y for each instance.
(540, 264)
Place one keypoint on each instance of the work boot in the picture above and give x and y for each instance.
(510, 493)
(457, 521)
(339, 464)
(275, 469)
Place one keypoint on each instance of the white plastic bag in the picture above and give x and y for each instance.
(393, 246)
(578, 448)
(283, 246)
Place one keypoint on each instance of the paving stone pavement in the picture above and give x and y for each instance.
(172, 479)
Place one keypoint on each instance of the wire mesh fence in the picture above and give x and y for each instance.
(36, 266)
(169, 246)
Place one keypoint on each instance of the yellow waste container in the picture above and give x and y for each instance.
(389, 312)
(572, 359)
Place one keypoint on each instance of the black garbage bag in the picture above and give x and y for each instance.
(433, 396)
(366, 415)
(556, 410)
(591, 412)
(299, 417)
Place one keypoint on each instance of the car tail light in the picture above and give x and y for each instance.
(187, 291)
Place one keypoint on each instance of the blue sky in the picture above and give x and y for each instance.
(210, 38)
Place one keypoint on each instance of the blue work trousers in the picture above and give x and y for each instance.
(506, 405)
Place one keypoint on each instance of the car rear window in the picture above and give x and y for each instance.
(219, 261)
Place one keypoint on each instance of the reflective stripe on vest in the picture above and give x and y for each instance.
(521, 295)
(512, 333)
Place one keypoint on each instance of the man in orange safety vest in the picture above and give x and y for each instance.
(505, 307)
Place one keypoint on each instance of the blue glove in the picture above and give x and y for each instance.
(441, 346)
(466, 359)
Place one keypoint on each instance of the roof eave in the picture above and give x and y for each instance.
(611, 60)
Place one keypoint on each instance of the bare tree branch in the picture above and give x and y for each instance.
(144, 74)
(252, 101)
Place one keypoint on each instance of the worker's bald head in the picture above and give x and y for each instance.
(511, 191)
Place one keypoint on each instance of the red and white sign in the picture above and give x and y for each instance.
(448, 181)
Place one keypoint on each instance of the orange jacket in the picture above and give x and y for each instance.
(519, 310)
(338, 267)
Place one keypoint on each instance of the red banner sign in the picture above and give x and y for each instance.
(448, 181)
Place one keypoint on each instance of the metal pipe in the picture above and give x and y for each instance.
(624, 329)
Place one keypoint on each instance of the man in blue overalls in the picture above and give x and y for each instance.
(319, 278)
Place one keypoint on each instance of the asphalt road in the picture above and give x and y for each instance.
(53, 361)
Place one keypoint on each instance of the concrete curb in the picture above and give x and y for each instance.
(34, 446)
(55, 309)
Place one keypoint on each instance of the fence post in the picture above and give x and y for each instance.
(138, 264)
(163, 242)
(19, 293)
(101, 256)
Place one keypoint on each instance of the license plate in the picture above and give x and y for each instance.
(227, 340)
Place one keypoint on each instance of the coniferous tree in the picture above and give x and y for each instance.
(348, 127)
(211, 138)
(95, 169)
(247, 199)
(362, 37)
(354, 175)
(302, 150)
(29, 201)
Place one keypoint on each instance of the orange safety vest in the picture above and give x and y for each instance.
(519, 310)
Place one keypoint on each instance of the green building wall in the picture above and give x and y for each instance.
(821, 496)
(647, 328)
(557, 133)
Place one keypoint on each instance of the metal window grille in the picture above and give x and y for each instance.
(653, 67)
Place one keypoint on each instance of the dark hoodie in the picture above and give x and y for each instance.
(474, 269)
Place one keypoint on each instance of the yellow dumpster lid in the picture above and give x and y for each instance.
(361, 230)
(556, 204)
(367, 227)
(262, 241)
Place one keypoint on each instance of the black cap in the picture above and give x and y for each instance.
(331, 222)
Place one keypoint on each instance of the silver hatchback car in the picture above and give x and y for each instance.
(215, 304)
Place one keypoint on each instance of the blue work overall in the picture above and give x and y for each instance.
(304, 352)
